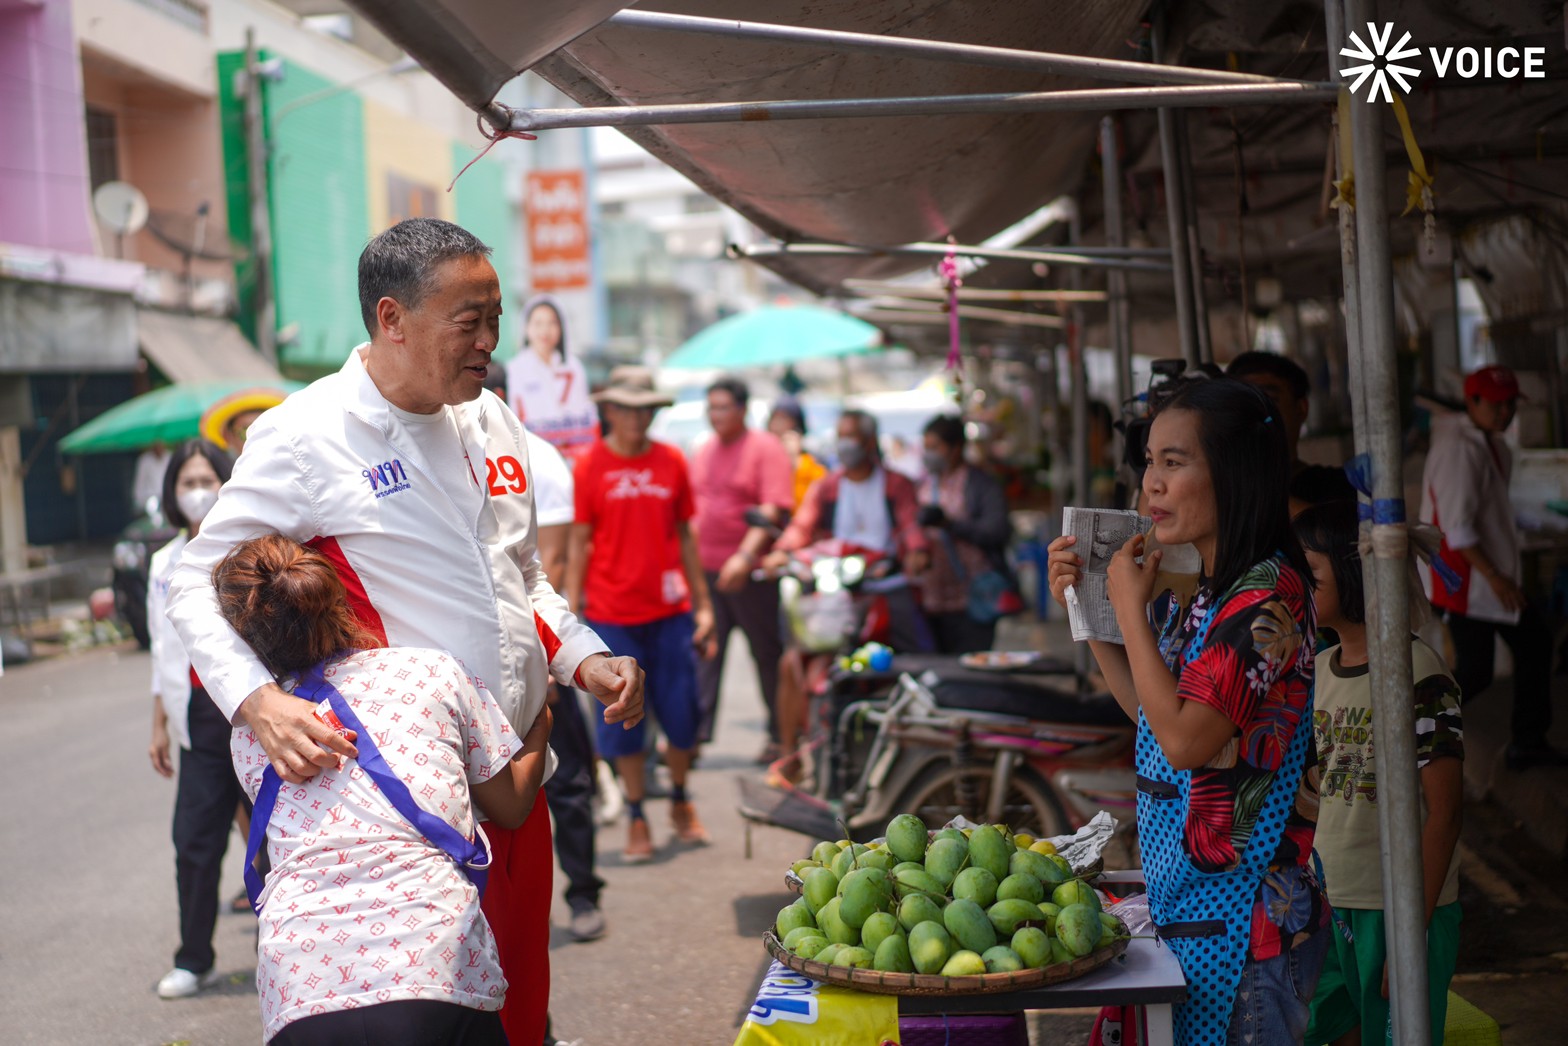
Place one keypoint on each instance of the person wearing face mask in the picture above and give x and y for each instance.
(964, 512)
(206, 792)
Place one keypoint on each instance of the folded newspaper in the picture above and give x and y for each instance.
(1100, 533)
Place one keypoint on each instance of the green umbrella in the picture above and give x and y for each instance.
(776, 334)
(170, 414)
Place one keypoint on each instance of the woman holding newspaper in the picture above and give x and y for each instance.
(1221, 690)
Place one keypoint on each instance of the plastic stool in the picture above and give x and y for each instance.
(1468, 1026)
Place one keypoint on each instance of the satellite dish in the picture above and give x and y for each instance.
(120, 206)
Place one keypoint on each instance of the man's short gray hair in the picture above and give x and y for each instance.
(401, 262)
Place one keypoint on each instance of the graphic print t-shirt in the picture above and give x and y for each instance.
(1255, 668)
(633, 505)
(360, 907)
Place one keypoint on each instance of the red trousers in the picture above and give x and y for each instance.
(517, 905)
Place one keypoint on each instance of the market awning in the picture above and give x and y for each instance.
(201, 349)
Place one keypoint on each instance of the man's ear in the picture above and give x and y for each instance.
(390, 315)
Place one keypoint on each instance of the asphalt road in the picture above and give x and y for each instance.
(88, 919)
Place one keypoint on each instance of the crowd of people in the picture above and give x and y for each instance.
(430, 590)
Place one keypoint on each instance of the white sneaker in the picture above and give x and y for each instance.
(611, 803)
(182, 984)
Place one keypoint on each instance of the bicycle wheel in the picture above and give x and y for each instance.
(944, 792)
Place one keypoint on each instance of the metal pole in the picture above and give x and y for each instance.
(1079, 390)
(940, 50)
(1399, 794)
(1189, 195)
(1176, 216)
(1115, 237)
(1348, 265)
(1098, 100)
(265, 308)
(1052, 255)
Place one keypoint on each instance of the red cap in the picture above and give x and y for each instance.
(1494, 383)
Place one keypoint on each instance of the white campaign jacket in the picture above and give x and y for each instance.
(171, 669)
(321, 468)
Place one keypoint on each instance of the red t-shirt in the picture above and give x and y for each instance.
(634, 560)
(729, 478)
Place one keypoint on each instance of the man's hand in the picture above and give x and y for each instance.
(734, 574)
(615, 682)
(703, 635)
(1508, 593)
(158, 750)
(299, 745)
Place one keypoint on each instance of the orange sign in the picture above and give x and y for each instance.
(557, 207)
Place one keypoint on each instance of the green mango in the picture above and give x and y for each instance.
(1008, 915)
(1027, 862)
(988, 849)
(820, 887)
(1079, 929)
(929, 947)
(866, 890)
(854, 956)
(800, 868)
(1061, 862)
(917, 908)
(799, 934)
(1008, 839)
(952, 833)
(907, 866)
(1002, 959)
(964, 964)
(892, 955)
(1075, 891)
(879, 859)
(1113, 925)
(825, 955)
(877, 928)
(824, 852)
(1052, 872)
(1020, 886)
(874, 873)
(945, 858)
(792, 916)
(1033, 946)
(969, 925)
(845, 859)
(907, 837)
(811, 947)
(1050, 911)
(833, 925)
(977, 885)
(915, 879)
(1060, 952)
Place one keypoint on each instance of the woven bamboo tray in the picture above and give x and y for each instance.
(936, 984)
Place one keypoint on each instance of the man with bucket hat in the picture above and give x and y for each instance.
(633, 571)
(1464, 493)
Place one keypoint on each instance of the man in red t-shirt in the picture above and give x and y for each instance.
(739, 469)
(633, 568)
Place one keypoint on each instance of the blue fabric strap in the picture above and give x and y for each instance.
(470, 854)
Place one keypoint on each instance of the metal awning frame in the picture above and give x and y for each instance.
(1094, 257)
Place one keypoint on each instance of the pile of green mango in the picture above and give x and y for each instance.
(980, 900)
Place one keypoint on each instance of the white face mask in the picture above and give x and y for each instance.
(197, 502)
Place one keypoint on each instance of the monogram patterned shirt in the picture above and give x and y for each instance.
(360, 908)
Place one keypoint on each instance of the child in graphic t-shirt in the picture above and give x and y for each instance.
(1352, 992)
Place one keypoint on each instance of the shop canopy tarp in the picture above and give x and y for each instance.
(774, 335)
(167, 415)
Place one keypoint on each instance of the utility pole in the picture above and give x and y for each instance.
(265, 308)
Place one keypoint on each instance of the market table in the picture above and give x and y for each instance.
(1147, 975)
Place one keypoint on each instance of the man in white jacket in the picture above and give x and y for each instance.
(416, 484)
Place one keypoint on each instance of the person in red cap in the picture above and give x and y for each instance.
(1464, 493)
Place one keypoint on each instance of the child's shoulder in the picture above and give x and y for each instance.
(1426, 662)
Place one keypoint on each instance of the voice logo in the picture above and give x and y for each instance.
(1379, 63)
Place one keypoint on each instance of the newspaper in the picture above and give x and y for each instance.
(1100, 533)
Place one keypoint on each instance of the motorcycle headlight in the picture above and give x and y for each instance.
(127, 555)
(852, 569)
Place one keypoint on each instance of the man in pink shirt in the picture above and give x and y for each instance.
(739, 468)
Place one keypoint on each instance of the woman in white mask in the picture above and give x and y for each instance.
(207, 791)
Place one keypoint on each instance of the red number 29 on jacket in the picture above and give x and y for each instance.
(506, 476)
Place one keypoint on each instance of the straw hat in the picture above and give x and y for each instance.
(632, 386)
(222, 412)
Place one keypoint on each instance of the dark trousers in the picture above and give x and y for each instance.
(1530, 643)
(955, 632)
(755, 611)
(204, 803)
(407, 1022)
(570, 798)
